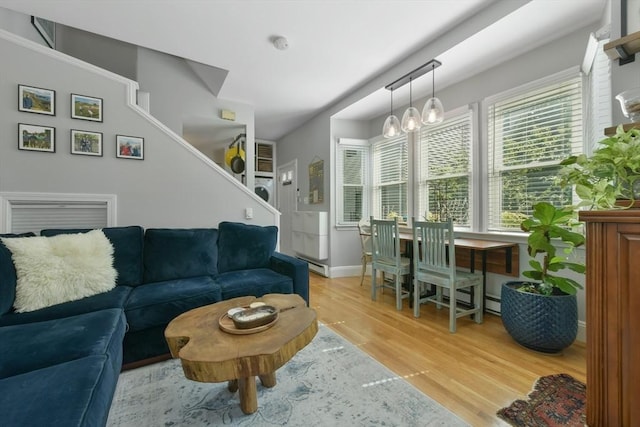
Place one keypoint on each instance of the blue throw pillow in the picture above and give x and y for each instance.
(8, 276)
(179, 253)
(127, 250)
(244, 246)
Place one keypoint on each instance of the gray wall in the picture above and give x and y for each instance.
(172, 187)
(113, 55)
(179, 97)
(20, 24)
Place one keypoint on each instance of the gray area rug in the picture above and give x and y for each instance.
(328, 383)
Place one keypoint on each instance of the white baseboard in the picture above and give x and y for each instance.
(316, 267)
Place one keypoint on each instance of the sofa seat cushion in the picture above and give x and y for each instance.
(256, 282)
(71, 394)
(38, 345)
(115, 298)
(178, 253)
(8, 276)
(244, 246)
(127, 250)
(156, 304)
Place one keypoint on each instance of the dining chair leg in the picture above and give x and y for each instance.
(439, 297)
(364, 268)
(452, 311)
(479, 304)
(416, 298)
(374, 285)
(398, 292)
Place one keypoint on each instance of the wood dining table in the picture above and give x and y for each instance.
(476, 245)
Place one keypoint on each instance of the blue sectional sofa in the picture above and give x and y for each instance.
(59, 365)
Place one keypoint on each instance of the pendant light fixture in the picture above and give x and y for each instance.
(411, 118)
(391, 126)
(433, 111)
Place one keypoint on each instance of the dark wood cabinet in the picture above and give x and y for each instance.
(613, 317)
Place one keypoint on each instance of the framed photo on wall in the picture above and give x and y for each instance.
(36, 100)
(129, 147)
(36, 138)
(86, 143)
(86, 108)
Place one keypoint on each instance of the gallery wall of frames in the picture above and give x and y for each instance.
(83, 142)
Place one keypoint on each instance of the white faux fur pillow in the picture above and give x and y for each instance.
(66, 267)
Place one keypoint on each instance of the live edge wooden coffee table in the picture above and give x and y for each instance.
(209, 354)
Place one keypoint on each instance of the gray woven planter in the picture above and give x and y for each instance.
(547, 324)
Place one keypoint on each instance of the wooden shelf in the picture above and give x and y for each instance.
(612, 130)
(623, 47)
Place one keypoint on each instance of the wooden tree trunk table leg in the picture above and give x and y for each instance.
(232, 386)
(248, 395)
(268, 380)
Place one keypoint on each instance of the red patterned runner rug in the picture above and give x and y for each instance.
(556, 400)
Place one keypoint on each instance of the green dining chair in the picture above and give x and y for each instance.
(386, 257)
(434, 262)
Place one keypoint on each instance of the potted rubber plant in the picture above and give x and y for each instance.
(610, 177)
(542, 313)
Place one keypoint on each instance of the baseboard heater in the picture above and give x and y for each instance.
(314, 266)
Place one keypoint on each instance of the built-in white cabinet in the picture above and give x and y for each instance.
(311, 234)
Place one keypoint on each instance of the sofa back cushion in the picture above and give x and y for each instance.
(127, 250)
(244, 246)
(179, 253)
(8, 276)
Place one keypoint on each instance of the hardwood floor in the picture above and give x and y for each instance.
(473, 373)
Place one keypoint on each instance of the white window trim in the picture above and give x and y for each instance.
(343, 144)
(412, 149)
(471, 109)
(483, 214)
(7, 199)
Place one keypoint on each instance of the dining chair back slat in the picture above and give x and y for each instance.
(386, 257)
(434, 265)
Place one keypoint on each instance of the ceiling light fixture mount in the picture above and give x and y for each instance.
(412, 120)
(280, 43)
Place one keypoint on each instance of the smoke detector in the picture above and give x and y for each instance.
(280, 43)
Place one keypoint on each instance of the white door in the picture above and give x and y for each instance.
(286, 195)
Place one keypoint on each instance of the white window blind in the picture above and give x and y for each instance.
(528, 134)
(445, 171)
(35, 216)
(390, 178)
(351, 192)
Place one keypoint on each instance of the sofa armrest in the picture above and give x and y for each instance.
(296, 269)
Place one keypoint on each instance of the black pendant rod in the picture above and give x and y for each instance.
(421, 70)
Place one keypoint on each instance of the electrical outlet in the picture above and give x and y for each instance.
(248, 213)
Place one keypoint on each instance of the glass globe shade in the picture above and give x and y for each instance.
(411, 120)
(391, 127)
(433, 112)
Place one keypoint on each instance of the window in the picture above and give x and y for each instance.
(444, 190)
(390, 178)
(352, 165)
(528, 134)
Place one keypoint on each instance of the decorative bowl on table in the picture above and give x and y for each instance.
(254, 317)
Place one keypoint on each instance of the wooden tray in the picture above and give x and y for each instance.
(227, 325)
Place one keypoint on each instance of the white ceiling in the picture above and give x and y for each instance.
(335, 46)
